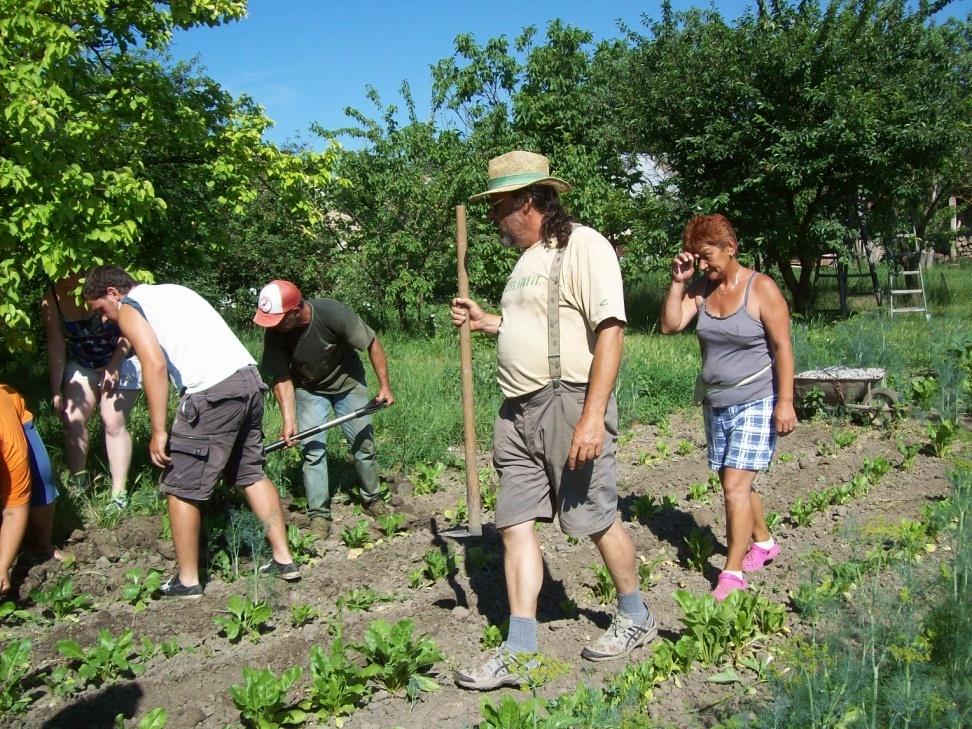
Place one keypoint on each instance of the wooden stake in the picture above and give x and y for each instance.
(468, 404)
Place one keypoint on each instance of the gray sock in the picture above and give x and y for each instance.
(632, 606)
(522, 637)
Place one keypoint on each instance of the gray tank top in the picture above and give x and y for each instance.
(734, 347)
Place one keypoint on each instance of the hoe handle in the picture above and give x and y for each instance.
(468, 405)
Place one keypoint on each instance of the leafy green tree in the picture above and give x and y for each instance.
(545, 97)
(394, 224)
(106, 153)
(796, 117)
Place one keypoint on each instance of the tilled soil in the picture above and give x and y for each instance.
(193, 685)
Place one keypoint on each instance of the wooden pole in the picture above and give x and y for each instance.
(468, 404)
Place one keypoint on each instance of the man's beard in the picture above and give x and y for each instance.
(507, 240)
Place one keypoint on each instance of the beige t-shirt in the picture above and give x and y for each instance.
(590, 292)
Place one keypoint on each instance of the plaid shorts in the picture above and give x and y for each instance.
(741, 436)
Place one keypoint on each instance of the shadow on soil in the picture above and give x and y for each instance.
(98, 710)
(672, 526)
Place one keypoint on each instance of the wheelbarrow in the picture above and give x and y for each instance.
(852, 388)
(372, 407)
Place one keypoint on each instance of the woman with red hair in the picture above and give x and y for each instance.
(746, 383)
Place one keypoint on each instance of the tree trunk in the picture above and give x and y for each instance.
(801, 289)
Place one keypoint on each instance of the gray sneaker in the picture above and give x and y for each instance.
(622, 637)
(494, 671)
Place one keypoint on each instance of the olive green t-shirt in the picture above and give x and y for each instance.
(324, 356)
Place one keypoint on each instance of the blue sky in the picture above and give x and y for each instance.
(306, 60)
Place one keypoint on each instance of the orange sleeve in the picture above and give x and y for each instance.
(15, 466)
(18, 400)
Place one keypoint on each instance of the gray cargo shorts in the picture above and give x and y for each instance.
(531, 441)
(217, 432)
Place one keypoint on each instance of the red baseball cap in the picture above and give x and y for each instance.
(276, 299)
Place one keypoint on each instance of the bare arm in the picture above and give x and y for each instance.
(588, 440)
(679, 307)
(283, 390)
(154, 378)
(775, 316)
(479, 320)
(110, 379)
(380, 363)
(56, 351)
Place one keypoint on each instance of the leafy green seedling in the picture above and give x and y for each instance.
(923, 391)
(477, 559)
(243, 617)
(844, 438)
(801, 513)
(457, 516)
(337, 685)
(391, 524)
(908, 454)
(773, 520)
(492, 637)
(512, 713)
(14, 668)
(262, 699)
(157, 718)
(700, 545)
(303, 614)
(397, 660)
(361, 598)
(140, 587)
(669, 502)
(699, 492)
(12, 615)
(942, 435)
(488, 496)
(105, 662)
(437, 564)
(645, 507)
(425, 476)
(603, 587)
(646, 567)
(684, 447)
(357, 535)
(301, 544)
(60, 601)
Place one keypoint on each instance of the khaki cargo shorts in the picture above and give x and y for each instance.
(217, 432)
(531, 441)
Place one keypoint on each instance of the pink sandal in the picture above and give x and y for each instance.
(757, 557)
(728, 583)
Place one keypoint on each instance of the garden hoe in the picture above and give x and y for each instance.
(475, 528)
(372, 407)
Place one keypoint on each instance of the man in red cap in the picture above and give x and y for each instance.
(310, 354)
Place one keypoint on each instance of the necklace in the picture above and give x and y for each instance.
(729, 289)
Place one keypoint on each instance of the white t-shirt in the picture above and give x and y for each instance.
(200, 349)
(591, 291)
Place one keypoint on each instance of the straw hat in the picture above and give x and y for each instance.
(518, 169)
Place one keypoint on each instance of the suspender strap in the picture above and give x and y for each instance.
(553, 316)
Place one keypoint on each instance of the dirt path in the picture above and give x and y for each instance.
(193, 685)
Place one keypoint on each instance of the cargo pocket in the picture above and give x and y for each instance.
(224, 413)
(189, 455)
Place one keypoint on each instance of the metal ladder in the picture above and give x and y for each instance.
(901, 284)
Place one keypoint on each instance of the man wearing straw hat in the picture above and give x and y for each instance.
(555, 436)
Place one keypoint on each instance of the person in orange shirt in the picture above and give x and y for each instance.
(14, 484)
(43, 488)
